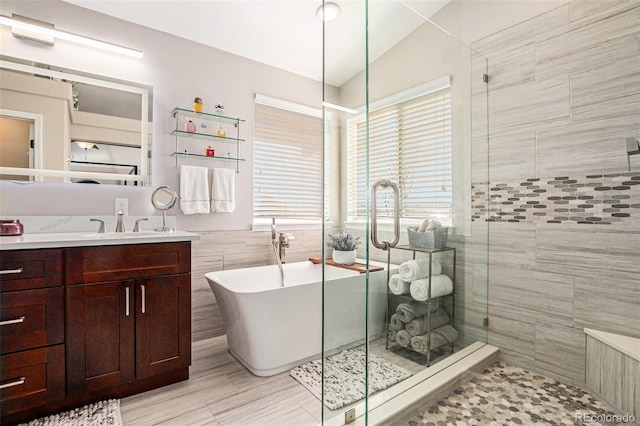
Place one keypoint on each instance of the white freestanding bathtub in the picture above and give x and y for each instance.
(271, 329)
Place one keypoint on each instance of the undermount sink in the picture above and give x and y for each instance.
(110, 235)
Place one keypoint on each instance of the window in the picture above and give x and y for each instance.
(410, 144)
(288, 160)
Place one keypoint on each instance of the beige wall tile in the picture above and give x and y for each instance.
(509, 331)
(593, 10)
(538, 105)
(580, 47)
(512, 245)
(608, 92)
(512, 154)
(521, 34)
(572, 250)
(561, 350)
(534, 294)
(608, 303)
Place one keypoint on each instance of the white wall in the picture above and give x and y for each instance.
(178, 70)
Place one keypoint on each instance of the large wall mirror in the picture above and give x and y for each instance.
(60, 125)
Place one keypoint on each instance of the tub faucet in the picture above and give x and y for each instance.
(120, 222)
(275, 243)
(283, 243)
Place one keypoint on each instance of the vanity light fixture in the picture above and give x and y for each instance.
(328, 11)
(46, 33)
(86, 145)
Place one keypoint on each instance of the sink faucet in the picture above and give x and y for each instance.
(120, 222)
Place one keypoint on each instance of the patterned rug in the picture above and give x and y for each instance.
(103, 413)
(506, 395)
(345, 377)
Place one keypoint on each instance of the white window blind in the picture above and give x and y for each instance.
(287, 178)
(410, 144)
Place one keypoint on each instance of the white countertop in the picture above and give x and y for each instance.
(78, 239)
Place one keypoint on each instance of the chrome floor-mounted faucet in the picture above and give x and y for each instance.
(280, 242)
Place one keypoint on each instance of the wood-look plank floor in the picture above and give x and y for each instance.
(222, 392)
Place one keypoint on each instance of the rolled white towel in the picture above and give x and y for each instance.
(397, 286)
(407, 311)
(424, 225)
(434, 224)
(403, 338)
(441, 336)
(419, 268)
(395, 323)
(391, 334)
(441, 285)
(418, 325)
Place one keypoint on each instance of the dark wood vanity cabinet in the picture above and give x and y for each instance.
(32, 361)
(128, 315)
(81, 324)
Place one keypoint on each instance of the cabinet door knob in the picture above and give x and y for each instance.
(12, 321)
(18, 382)
(11, 271)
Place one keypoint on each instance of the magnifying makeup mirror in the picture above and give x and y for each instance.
(163, 198)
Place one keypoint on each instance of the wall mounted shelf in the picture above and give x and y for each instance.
(210, 121)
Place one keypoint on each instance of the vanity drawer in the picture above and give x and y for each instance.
(129, 261)
(27, 269)
(31, 379)
(31, 318)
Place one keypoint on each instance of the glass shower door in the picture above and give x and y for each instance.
(404, 102)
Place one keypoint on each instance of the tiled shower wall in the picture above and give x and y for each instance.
(564, 209)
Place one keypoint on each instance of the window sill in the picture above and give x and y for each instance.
(287, 224)
(387, 225)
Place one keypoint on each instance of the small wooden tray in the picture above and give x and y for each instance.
(358, 267)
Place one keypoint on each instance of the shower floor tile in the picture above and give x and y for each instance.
(505, 395)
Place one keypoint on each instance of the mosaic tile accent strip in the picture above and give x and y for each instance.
(507, 395)
(591, 199)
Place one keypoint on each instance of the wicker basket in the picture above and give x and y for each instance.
(433, 239)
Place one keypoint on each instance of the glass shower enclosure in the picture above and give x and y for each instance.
(405, 129)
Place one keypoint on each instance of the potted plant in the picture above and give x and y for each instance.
(344, 245)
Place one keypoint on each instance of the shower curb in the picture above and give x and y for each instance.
(431, 390)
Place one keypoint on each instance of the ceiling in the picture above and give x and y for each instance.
(283, 33)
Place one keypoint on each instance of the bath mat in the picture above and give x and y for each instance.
(344, 377)
(103, 413)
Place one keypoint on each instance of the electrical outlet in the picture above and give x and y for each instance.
(122, 204)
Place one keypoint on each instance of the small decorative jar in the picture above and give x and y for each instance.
(221, 132)
(210, 152)
(197, 105)
(219, 109)
(11, 227)
(189, 126)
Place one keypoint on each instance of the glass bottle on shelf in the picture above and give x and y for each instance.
(221, 132)
(197, 105)
(189, 126)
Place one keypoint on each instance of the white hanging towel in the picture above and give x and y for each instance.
(223, 199)
(194, 189)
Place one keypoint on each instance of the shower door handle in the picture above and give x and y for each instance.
(385, 245)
